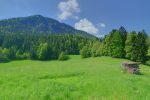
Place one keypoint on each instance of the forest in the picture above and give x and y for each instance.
(117, 44)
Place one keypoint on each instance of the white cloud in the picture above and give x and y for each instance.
(101, 25)
(67, 9)
(87, 26)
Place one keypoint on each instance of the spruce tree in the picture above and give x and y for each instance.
(123, 34)
(117, 45)
(142, 47)
(136, 47)
(131, 46)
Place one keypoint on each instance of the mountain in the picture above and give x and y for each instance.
(38, 24)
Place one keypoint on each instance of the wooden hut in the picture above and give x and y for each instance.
(131, 67)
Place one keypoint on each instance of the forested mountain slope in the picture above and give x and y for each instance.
(38, 24)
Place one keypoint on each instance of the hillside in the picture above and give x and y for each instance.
(98, 78)
(38, 24)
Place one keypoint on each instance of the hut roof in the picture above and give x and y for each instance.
(132, 63)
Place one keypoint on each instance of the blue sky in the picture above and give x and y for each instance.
(97, 17)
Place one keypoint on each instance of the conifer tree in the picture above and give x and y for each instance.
(142, 47)
(117, 45)
(131, 46)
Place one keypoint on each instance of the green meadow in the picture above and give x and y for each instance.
(98, 78)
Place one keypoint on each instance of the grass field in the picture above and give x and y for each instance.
(76, 79)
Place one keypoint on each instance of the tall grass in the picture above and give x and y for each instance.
(76, 79)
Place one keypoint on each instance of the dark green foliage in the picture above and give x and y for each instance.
(123, 34)
(142, 47)
(33, 53)
(117, 45)
(63, 56)
(40, 46)
(136, 46)
(113, 44)
(12, 53)
(3, 58)
(131, 46)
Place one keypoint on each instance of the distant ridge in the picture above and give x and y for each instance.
(38, 24)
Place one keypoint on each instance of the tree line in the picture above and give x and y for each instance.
(118, 44)
(16, 46)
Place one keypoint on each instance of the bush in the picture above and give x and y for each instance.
(63, 56)
(3, 58)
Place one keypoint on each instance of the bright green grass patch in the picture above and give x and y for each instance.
(76, 79)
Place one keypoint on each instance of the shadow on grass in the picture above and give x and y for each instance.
(61, 76)
(139, 73)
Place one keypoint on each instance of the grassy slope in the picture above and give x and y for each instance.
(85, 79)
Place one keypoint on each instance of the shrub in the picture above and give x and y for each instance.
(63, 56)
